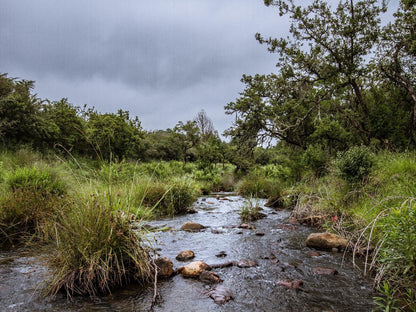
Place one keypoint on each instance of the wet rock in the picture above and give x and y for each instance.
(6, 261)
(259, 234)
(204, 199)
(191, 211)
(294, 221)
(313, 220)
(221, 254)
(314, 254)
(193, 269)
(239, 232)
(335, 250)
(326, 241)
(215, 231)
(185, 255)
(245, 263)
(324, 271)
(164, 267)
(246, 226)
(209, 277)
(222, 265)
(287, 227)
(211, 203)
(292, 284)
(221, 294)
(192, 227)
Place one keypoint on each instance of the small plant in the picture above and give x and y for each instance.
(251, 211)
(355, 164)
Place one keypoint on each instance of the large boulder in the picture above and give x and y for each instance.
(192, 227)
(193, 269)
(326, 241)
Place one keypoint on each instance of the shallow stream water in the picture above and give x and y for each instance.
(280, 254)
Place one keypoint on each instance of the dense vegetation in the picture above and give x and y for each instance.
(339, 117)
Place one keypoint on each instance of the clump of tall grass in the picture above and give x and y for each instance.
(260, 187)
(251, 210)
(170, 197)
(97, 250)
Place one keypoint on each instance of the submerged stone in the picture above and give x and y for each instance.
(324, 271)
(292, 284)
(221, 294)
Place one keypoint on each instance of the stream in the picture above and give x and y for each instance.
(280, 254)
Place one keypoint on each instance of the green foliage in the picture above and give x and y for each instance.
(355, 164)
(258, 186)
(97, 250)
(316, 158)
(114, 136)
(35, 179)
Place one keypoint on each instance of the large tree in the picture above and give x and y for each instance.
(319, 91)
(397, 50)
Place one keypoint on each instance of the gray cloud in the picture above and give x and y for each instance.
(163, 60)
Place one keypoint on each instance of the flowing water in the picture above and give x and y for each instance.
(280, 254)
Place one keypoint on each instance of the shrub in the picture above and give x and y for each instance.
(354, 164)
(37, 180)
(97, 250)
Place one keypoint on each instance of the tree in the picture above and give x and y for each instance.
(204, 123)
(397, 60)
(115, 135)
(319, 92)
(187, 136)
(70, 131)
(21, 121)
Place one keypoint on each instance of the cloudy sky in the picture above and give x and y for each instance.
(162, 60)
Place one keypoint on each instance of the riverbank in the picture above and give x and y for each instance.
(280, 255)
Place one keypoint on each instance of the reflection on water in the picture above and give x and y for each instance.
(280, 254)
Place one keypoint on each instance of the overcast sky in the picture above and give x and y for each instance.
(162, 60)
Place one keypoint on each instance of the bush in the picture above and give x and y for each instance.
(355, 164)
(97, 250)
(36, 180)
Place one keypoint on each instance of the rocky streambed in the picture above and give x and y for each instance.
(261, 266)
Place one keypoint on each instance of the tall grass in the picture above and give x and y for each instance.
(97, 250)
(377, 213)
